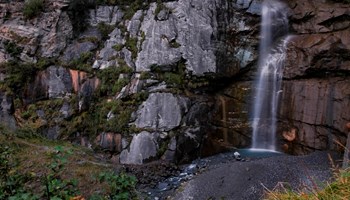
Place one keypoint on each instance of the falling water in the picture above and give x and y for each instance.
(273, 43)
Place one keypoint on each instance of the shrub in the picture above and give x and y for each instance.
(131, 45)
(105, 29)
(18, 75)
(32, 8)
(12, 48)
(121, 186)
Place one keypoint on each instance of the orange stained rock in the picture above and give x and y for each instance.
(77, 198)
(77, 78)
(348, 125)
(290, 135)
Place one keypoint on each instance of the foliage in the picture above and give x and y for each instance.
(78, 14)
(32, 8)
(83, 63)
(12, 48)
(105, 29)
(174, 44)
(120, 187)
(110, 83)
(118, 47)
(18, 75)
(11, 182)
(337, 190)
(131, 45)
(55, 186)
(130, 7)
(160, 7)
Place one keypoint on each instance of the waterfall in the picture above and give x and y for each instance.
(274, 27)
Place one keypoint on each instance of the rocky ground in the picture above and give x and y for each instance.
(224, 177)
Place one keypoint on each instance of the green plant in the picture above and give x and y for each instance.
(120, 186)
(131, 45)
(12, 48)
(160, 7)
(105, 29)
(11, 182)
(57, 187)
(18, 75)
(83, 63)
(118, 47)
(174, 44)
(32, 8)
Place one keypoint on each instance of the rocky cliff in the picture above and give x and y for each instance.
(168, 79)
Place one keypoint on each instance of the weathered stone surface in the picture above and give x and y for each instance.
(106, 56)
(161, 111)
(170, 153)
(7, 111)
(109, 142)
(55, 40)
(314, 54)
(46, 35)
(75, 51)
(135, 86)
(54, 82)
(143, 147)
(193, 25)
(231, 119)
(317, 109)
(319, 16)
(86, 91)
(110, 15)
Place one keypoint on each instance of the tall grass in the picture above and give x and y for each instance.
(339, 189)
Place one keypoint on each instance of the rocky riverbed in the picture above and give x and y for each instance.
(225, 177)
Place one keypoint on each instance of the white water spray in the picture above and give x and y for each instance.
(272, 54)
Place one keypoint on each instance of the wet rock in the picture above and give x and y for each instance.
(237, 156)
(86, 92)
(143, 147)
(161, 111)
(321, 118)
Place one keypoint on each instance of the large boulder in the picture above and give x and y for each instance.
(161, 112)
(143, 148)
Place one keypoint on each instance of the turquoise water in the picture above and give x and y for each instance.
(258, 153)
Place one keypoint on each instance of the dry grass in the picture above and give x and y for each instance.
(339, 189)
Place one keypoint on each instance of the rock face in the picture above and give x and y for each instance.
(6, 111)
(316, 92)
(176, 74)
(316, 108)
